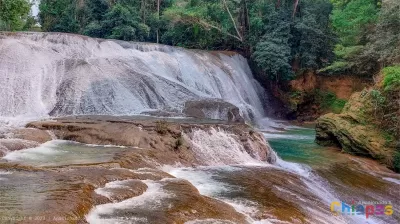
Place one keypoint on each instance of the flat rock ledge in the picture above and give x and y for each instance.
(152, 134)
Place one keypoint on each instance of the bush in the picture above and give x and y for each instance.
(391, 80)
(329, 101)
(338, 105)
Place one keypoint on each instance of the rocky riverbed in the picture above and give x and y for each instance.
(58, 179)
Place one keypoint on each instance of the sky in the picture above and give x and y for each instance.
(35, 8)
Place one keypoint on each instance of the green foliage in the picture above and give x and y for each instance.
(123, 19)
(273, 53)
(351, 20)
(122, 23)
(13, 14)
(348, 52)
(289, 43)
(377, 97)
(378, 101)
(369, 36)
(391, 80)
(329, 101)
(336, 67)
(338, 105)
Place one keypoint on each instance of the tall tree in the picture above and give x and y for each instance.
(13, 14)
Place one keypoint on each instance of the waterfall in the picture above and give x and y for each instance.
(217, 147)
(56, 74)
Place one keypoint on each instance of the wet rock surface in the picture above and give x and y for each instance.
(9, 145)
(213, 109)
(68, 193)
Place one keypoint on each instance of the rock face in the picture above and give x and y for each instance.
(213, 109)
(355, 131)
(344, 131)
(311, 95)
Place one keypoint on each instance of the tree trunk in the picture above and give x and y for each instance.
(296, 3)
(233, 21)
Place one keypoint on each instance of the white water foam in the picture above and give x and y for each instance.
(119, 184)
(150, 199)
(393, 180)
(4, 174)
(44, 150)
(217, 147)
(201, 179)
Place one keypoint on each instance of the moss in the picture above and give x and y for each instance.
(338, 105)
(388, 138)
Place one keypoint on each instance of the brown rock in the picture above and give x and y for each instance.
(7, 145)
(213, 109)
(32, 134)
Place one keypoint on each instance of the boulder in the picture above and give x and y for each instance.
(346, 132)
(213, 109)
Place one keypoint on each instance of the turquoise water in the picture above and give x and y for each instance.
(347, 177)
(297, 145)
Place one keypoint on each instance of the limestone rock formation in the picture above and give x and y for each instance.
(359, 129)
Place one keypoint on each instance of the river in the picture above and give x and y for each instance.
(50, 75)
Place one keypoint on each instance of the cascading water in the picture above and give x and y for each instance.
(216, 147)
(56, 74)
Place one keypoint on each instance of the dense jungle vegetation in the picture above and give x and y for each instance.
(281, 37)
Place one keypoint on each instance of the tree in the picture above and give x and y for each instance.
(273, 53)
(57, 16)
(13, 14)
(353, 21)
(121, 23)
(385, 41)
(208, 14)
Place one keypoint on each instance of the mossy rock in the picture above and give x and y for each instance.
(343, 131)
